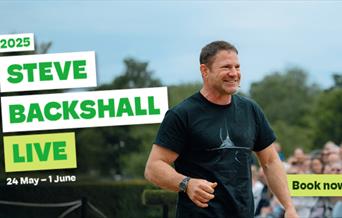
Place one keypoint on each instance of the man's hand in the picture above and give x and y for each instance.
(200, 191)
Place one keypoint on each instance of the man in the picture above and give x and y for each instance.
(209, 137)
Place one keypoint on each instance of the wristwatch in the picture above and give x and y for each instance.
(183, 185)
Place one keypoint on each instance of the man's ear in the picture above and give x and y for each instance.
(204, 70)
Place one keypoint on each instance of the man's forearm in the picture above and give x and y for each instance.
(277, 182)
(163, 175)
(160, 172)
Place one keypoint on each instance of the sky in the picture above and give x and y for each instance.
(270, 35)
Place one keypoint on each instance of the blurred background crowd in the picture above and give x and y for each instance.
(327, 160)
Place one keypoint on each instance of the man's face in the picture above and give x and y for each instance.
(224, 75)
(316, 166)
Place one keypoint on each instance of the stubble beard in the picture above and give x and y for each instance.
(230, 89)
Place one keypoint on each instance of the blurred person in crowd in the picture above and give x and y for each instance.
(277, 208)
(299, 162)
(325, 205)
(303, 205)
(334, 155)
(257, 186)
(327, 149)
(334, 158)
(266, 194)
(332, 162)
(305, 167)
(315, 207)
(337, 210)
(326, 169)
(299, 155)
(293, 165)
(316, 165)
(273, 210)
(336, 167)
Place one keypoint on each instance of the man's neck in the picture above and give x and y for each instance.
(215, 97)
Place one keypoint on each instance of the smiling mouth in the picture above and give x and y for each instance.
(230, 81)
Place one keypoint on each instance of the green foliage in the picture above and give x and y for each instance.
(178, 93)
(287, 100)
(134, 163)
(337, 80)
(159, 197)
(328, 117)
(136, 75)
(100, 149)
(292, 136)
(285, 97)
(119, 150)
(301, 114)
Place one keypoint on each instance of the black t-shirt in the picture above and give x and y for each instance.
(214, 142)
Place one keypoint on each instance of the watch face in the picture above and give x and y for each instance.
(184, 183)
(182, 186)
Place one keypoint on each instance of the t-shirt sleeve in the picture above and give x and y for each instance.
(265, 136)
(172, 132)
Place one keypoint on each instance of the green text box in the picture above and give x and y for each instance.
(315, 184)
(40, 152)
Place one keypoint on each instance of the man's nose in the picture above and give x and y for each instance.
(233, 71)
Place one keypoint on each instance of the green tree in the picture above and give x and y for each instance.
(287, 100)
(116, 150)
(338, 80)
(136, 75)
(134, 163)
(328, 117)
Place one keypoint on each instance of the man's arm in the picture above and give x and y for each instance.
(160, 172)
(276, 178)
